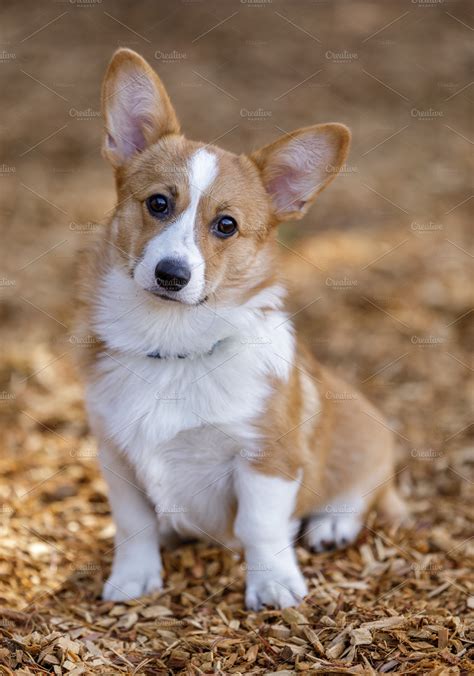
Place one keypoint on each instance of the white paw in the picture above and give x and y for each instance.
(126, 582)
(332, 531)
(280, 590)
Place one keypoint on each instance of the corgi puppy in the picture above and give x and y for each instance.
(213, 420)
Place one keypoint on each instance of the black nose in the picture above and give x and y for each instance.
(172, 274)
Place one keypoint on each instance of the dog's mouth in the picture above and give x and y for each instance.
(165, 297)
(176, 299)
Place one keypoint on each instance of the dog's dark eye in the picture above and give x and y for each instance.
(226, 226)
(158, 205)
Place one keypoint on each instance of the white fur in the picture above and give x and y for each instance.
(263, 525)
(337, 524)
(183, 424)
(136, 568)
(178, 240)
(130, 320)
(167, 396)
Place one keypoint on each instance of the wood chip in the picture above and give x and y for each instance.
(336, 650)
(314, 640)
(443, 636)
(280, 632)
(178, 659)
(293, 616)
(385, 623)
(361, 636)
(152, 612)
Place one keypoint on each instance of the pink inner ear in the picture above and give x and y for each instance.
(131, 114)
(134, 140)
(284, 189)
(297, 171)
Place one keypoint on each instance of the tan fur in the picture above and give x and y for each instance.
(341, 443)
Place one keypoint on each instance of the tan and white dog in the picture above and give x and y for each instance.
(212, 419)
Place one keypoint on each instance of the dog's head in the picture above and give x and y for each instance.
(193, 220)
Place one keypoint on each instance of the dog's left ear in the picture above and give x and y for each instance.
(135, 107)
(296, 167)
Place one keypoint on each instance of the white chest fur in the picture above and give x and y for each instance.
(182, 422)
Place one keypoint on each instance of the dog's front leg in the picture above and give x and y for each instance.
(136, 568)
(264, 527)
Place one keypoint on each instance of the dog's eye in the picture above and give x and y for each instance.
(225, 226)
(158, 205)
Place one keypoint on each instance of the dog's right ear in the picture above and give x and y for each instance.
(135, 107)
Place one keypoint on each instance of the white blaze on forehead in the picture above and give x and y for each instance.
(179, 240)
(202, 172)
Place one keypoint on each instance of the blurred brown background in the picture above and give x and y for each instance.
(380, 270)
